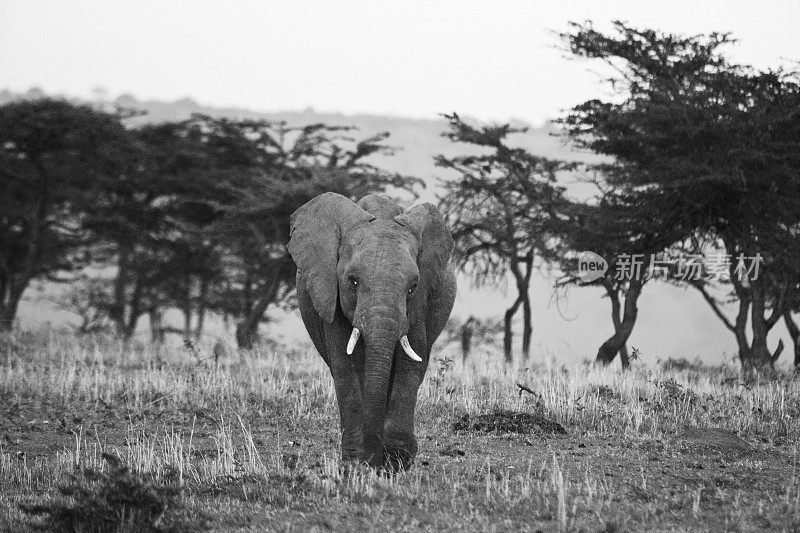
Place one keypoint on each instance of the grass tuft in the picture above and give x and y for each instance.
(116, 500)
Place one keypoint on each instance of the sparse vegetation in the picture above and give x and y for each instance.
(252, 441)
(117, 500)
(190, 215)
(502, 213)
(690, 154)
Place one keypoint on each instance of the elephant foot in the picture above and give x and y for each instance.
(356, 459)
(399, 453)
(397, 459)
(353, 469)
(352, 455)
(359, 469)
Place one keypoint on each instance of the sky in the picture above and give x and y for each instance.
(491, 60)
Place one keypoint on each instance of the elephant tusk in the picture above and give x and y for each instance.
(351, 344)
(408, 349)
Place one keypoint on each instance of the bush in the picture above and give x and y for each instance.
(115, 501)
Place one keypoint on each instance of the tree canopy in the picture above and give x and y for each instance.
(51, 155)
(503, 210)
(191, 215)
(704, 150)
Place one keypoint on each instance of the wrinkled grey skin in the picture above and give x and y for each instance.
(384, 271)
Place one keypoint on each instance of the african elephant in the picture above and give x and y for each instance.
(371, 272)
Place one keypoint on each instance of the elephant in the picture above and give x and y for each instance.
(375, 289)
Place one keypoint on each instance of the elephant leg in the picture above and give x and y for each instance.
(349, 394)
(400, 443)
(349, 398)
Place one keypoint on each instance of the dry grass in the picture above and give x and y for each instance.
(252, 444)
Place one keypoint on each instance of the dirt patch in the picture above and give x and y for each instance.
(504, 421)
(712, 440)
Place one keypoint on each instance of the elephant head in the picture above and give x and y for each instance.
(371, 267)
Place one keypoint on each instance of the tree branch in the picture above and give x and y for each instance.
(700, 286)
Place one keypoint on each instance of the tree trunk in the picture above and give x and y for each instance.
(523, 285)
(201, 309)
(187, 317)
(527, 328)
(134, 312)
(156, 325)
(246, 329)
(616, 319)
(8, 313)
(4, 280)
(794, 331)
(740, 329)
(760, 361)
(9, 304)
(754, 356)
(609, 349)
(759, 353)
(467, 331)
(6, 320)
(739, 326)
(524, 289)
(130, 325)
(116, 311)
(507, 333)
(15, 283)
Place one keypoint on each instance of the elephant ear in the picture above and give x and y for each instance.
(435, 241)
(316, 231)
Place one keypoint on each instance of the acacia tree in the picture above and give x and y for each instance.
(147, 223)
(201, 220)
(252, 175)
(52, 154)
(471, 333)
(764, 290)
(763, 178)
(617, 232)
(292, 165)
(709, 147)
(502, 210)
(794, 333)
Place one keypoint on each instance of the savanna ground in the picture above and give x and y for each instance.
(96, 435)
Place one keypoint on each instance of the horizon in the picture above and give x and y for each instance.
(188, 100)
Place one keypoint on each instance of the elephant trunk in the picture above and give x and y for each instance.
(381, 333)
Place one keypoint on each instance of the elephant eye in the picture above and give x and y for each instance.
(353, 281)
